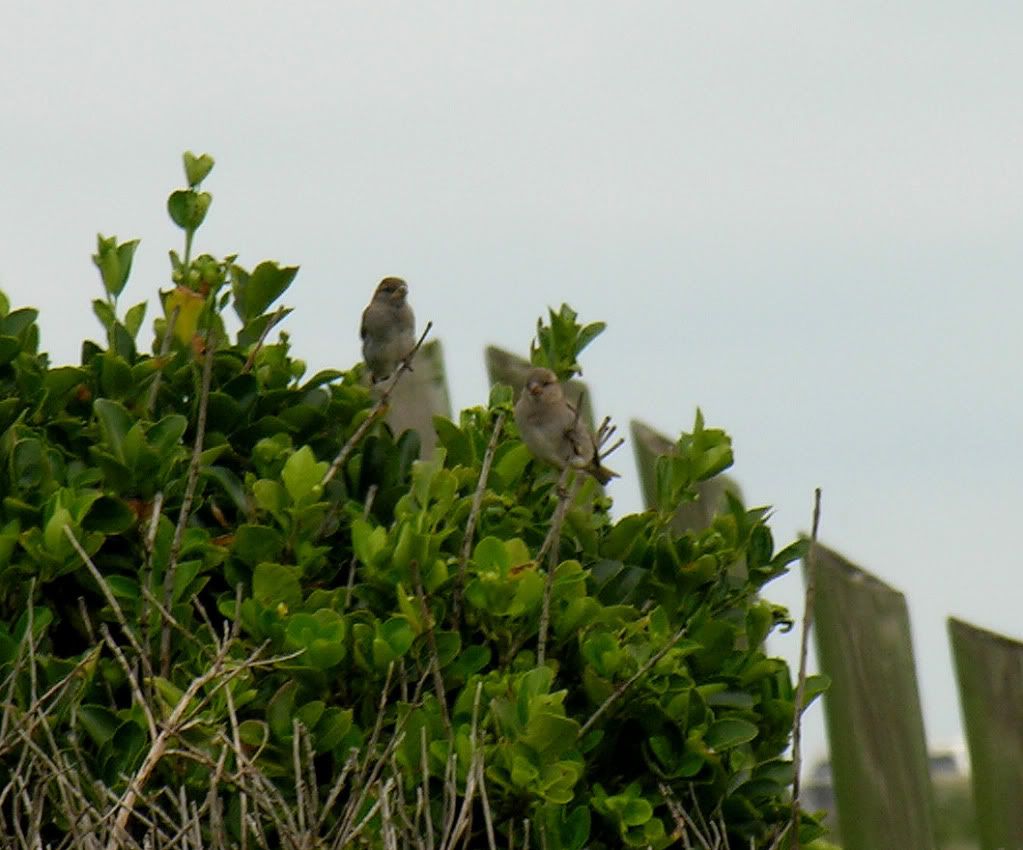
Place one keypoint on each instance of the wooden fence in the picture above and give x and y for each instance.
(879, 759)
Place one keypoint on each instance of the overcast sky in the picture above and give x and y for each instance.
(803, 217)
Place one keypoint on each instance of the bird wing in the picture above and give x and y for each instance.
(581, 442)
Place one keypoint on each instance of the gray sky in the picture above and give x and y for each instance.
(803, 217)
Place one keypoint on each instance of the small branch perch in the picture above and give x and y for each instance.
(165, 344)
(551, 545)
(376, 411)
(186, 505)
(470, 526)
(619, 692)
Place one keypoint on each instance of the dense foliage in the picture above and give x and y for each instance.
(199, 618)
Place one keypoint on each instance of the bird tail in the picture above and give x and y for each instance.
(602, 473)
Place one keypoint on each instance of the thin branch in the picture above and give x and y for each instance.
(165, 344)
(275, 319)
(811, 589)
(470, 525)
(132, 680)
(431, 641)
(126, 804)
(622, 688)
(376, 411)
(551, 544)
(682, 821)
(186, 504)
(108, 594)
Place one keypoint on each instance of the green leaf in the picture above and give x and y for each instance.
(256, 543)
(367, 542)
(815, 686)
(54, 537)
(99, 722)
(105, 313)
(134, 317)
(197, 167)
(114, 422)
(115, 376)
(729, 732)
(29, 466)
(266, 284)
(276, 584)
(10, 346)
(167, 433)
(187, 208)
(281, 709)
(398, 634)
(18, 321)
(302, 475)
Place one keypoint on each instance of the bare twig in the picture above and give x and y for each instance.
(126, 803)
(470, 525)
(165, 344)
(132, 680)
(431, 641)
(186, 504)
(108, 594)
(639, 674)
(811, 588)
(275, 319)
(551, 544)
(682, 823)
(375, 412)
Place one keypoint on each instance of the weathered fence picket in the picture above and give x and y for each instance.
(989, 668)
(872, 709)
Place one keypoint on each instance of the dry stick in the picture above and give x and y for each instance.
(431, 640)
(551, 544)
(425, 789)
(811, 589)
(165, 344)
(147, 576)
(488, 817)
(35, 710)
(126, 803)
(470, 525)
(677, 814)
(275, 319)
(375, 411)
(132, 680)
(186, 506)
(622, 688)
(464, 820)
(111, 600)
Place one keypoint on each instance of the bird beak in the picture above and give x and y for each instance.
(402, 290)
(534, 388)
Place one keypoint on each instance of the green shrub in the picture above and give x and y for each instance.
(238, 611)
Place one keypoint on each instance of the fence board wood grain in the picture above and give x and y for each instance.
(989, 668)
(875, 728)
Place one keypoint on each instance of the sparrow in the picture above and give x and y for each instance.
(388, 328)
(552, 430)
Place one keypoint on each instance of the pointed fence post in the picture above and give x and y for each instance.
(879, 759)
(648, 445)
(989, 668)
(419, 396)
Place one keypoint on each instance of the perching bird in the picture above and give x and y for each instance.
(551, 429)
(388, 328)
